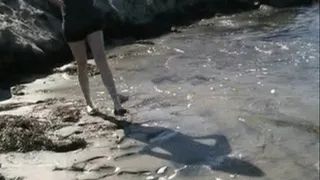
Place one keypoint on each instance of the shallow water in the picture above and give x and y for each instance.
(252, 77)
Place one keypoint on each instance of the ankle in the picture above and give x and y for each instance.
(116, 102)
(117, 107)
(90, 104)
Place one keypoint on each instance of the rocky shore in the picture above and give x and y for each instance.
(30, 33)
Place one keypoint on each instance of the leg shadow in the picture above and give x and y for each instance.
(186, 150)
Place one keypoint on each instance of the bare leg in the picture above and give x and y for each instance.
(78, 50)
(95, 41)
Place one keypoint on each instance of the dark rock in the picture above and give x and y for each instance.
(30, 39)
(69, 145)
(287, 3)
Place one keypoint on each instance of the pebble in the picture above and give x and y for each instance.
(273, 91)
(117, 169)
(232, 176)
(151, 178)
(162, 170)
(189, 97)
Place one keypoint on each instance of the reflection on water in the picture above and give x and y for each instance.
(253, 77)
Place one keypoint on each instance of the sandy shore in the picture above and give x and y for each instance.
(77, 145)
(47, 135)
(74, 145)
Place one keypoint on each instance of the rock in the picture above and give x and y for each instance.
(287, 3)
(69, 145)
(67, 131)
(18, 90)
(30, 39)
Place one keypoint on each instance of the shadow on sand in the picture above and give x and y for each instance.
(186, 150)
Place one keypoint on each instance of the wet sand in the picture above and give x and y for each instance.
(204, 104)
(144, 145)
(74, 145)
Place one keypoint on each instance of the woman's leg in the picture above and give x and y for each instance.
(78, 50)
(95, 41)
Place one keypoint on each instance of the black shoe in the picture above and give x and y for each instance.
(120, 112)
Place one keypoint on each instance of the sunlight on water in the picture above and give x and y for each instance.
(252, 77)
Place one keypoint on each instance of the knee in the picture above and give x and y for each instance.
(100, 57)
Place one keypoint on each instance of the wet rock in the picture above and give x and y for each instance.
(68, 145)
(18, 90)
(68, 131)
(29, 37)
(287, 3)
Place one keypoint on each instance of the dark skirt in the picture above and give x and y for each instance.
(79, 22)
